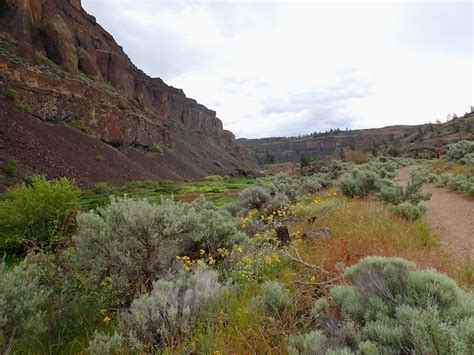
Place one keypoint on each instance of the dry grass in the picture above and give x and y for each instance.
(360, 228)
(450, 167)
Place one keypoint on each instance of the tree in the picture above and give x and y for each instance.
(269, 158)
(305, 160)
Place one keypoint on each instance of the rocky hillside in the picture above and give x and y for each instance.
(60, 71)
(419, 140)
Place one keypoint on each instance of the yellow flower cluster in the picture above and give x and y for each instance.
(223, 252)
(297, 235)
(188, 263)
(106, 318)
(245, 220)
(247, 260)
(317, 200)
(269, 260)
(209, 259)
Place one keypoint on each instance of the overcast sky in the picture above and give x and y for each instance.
(286, 68)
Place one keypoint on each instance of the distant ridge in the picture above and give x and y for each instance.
(398, 139)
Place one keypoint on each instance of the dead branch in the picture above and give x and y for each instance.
(299, 259)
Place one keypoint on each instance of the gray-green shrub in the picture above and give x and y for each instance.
(396, 308)
(22, 298)
(104, 344)
(254, 197)
(312, 343)
(395, 194)
(359, 183)
(275, 298)
(134, 242)
(410, 212)
(166, 314)
(457, 151)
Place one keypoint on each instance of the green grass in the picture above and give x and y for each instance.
(219, 192)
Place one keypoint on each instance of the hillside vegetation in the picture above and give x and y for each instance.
(337, 262)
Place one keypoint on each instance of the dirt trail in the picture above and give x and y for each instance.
(450, 214)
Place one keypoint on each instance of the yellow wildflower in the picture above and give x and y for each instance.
(247, 260)
(202, 251)
(239, 249)
(106, 319)
(212, 261)
(223, 252)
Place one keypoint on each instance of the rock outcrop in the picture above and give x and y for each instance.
(62, 64)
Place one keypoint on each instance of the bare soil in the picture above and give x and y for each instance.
(450, 214)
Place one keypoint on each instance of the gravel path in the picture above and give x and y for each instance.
(450, 214)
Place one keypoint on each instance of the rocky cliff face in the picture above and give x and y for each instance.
(327, 146)
(403, 140)
(58, 61)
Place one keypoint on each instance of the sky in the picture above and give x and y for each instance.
(289, 68)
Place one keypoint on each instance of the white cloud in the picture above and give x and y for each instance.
(319, 65)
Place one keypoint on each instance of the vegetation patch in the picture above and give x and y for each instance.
(12, 96)
(156, 148)
(37, 215)
(11, 167)
(388, 307)
(288, 266)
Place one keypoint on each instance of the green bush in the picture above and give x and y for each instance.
(12, 96)
(135, 242)
(468, 159)
(104, 344)
(282, 184)
(275, 298)
(102, 188)
(359, 183)
(410, 212)
(312, 343)
(214, 178)
(459, 150)
(310, 185)
(394, 194)
(156, 148)
(21, 303)
(166, 314)
(37, 214)
(10, 167)
(461, 183)
(75, 303)
(255, 197)
(395, 308)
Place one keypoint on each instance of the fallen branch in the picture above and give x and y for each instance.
(326, 283)
(299, 259)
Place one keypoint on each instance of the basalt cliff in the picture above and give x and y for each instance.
(73, 104)
(418, 141)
